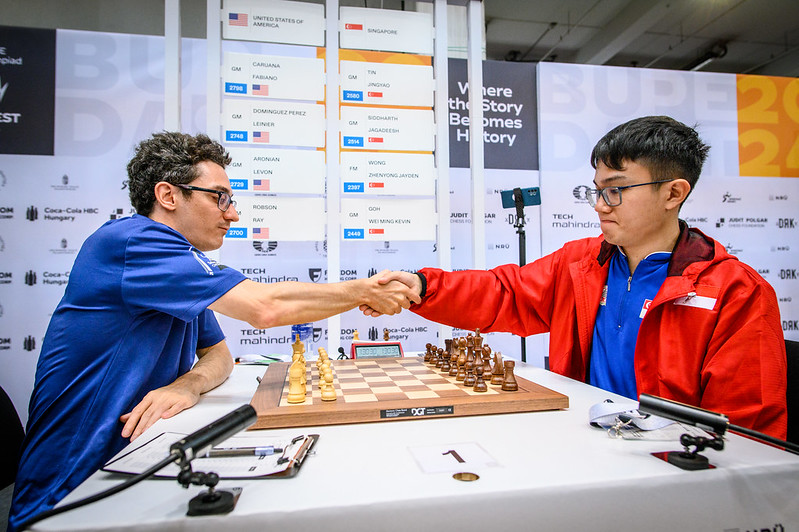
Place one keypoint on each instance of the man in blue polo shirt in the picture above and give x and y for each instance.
(120, 350)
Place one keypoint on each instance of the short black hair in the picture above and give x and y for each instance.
(667, 148)
(171, 157)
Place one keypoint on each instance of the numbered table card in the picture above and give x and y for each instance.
(453, 457)
(388, 219)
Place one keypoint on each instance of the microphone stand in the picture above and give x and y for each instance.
(712, 422)
(183, 452)
(518, 200)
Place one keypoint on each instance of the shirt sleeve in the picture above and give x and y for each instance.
(165, 273)
(210, 332)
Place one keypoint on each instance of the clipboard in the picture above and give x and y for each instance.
(284, 465)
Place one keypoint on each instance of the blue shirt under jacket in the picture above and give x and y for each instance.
(132, 317)
(625, 300)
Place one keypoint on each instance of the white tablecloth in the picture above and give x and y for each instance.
(552, 472)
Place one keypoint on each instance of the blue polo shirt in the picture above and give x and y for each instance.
(625, 300)
(133, 315)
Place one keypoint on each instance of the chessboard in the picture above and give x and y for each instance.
(388, 389)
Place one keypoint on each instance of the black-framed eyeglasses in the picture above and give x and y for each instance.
(224, 199)
(612, 195)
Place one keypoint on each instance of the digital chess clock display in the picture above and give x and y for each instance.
(376, 350)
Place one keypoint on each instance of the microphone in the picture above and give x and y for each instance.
(202, 440)
(704, 419)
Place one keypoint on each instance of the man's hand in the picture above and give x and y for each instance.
(213, 367)
(161, 403)
(405, 283)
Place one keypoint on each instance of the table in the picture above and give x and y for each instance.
(553, 472)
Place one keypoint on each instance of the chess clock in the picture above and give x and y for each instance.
(365, 350)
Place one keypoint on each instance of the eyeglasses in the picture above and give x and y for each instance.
(224, 200)
(612, 195)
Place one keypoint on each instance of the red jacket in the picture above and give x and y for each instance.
(711, 337)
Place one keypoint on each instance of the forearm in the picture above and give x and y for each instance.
(264, 305)
(212, 369)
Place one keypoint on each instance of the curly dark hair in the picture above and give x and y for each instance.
(667, 148)
(171, 157)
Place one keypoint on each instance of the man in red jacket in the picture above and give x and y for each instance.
(651, 306)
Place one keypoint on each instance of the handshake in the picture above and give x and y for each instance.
(388, 292)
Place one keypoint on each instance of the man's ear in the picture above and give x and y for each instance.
(165, 195)
(677, 191)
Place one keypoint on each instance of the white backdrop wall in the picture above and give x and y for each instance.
(754, 216)
(109, 96)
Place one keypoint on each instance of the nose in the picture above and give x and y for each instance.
(601, 205)
(232, 214)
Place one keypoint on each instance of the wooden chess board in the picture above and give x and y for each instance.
(388, 389)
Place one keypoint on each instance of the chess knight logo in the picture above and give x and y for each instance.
(29, 343)
(32, 213)
(580, 192)
(373, 334)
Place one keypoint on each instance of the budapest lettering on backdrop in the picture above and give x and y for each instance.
(278, 218)
(270, 76)
(387, 129)
(274, 123)
(258, 170)
(386, 84)
(369, 173)
(385, 29)
(388, 219)
(274, 21)
(768, 119)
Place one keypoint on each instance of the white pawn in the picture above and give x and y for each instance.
(328, 390)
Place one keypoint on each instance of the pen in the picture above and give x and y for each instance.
(242, 451)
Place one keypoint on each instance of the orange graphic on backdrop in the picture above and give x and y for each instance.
(768, 126)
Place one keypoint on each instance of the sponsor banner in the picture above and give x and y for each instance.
(277, 21)
(272, 76)
(27, 90)
(510, 126)
(262, 170)
(273, 123)
(369, 173)
(387, 129)
(388, 219)
(386, 84)
(768, 122)
(386, 29)
(271, 218)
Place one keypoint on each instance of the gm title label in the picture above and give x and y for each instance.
(416, 412)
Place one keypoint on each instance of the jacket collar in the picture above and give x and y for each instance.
(692, 246)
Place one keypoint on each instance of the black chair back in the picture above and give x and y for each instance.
(11, 442)
(792, 352)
